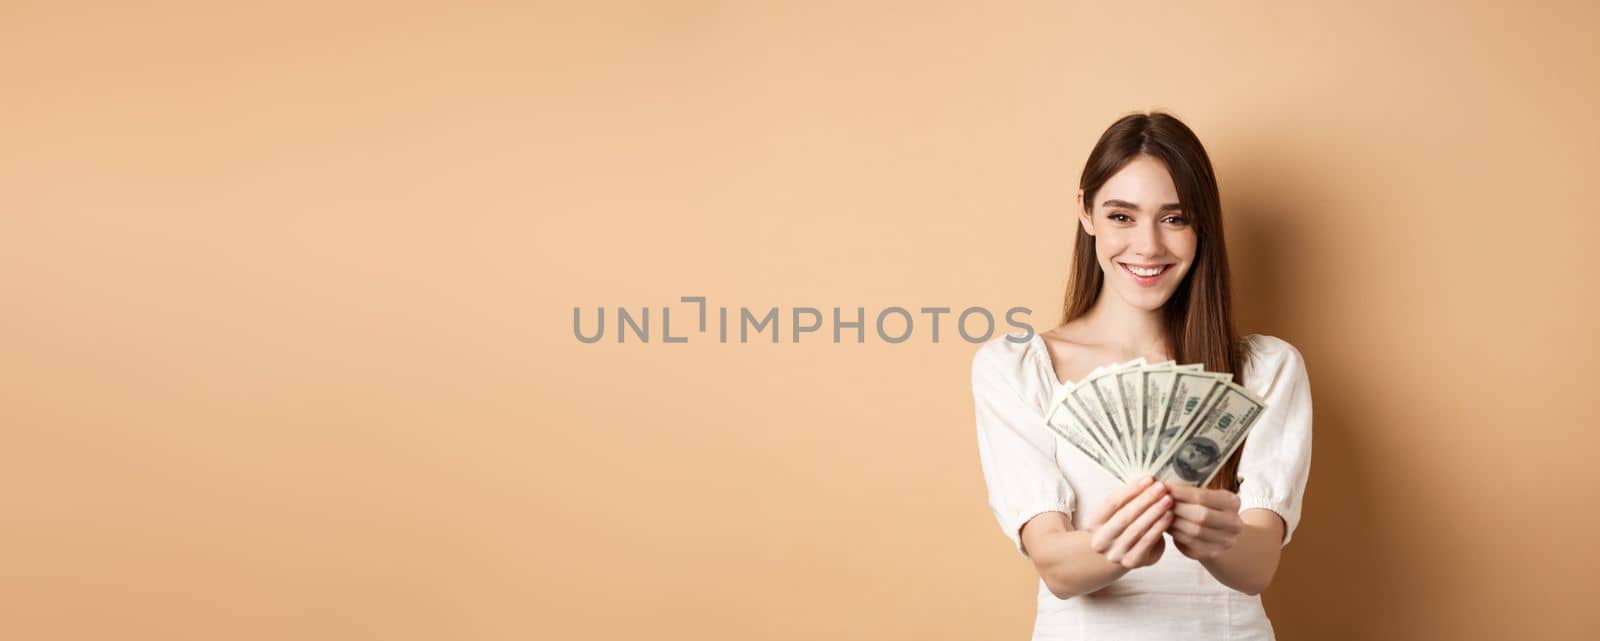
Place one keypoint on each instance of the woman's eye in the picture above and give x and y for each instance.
(1119, 217)
(1178, 220)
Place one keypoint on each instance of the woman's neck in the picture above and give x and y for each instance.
(1126, 328)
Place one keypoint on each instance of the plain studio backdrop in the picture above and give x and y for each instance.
(287, 342)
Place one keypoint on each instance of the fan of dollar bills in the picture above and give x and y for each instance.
(1176, 422)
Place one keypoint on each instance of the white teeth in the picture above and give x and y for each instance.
(1144, 271)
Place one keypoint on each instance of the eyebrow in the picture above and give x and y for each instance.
(1123, 203)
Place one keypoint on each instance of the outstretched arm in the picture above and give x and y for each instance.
(1240, 549)
(1119, 535)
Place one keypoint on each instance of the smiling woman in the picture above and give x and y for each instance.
(1150, 279)
(1158, 199)
(1128, 239)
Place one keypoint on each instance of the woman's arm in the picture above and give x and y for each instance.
(1249, 565)
(1240, 549)
(1122, 534)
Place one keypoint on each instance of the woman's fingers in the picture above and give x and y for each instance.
(1197, 531)
(1143, 552)
(1195, 548)
(1183, 525)
(1132, 489)
(1121, 498)
(1183, 547)
(1205, 522)
(1220, 500)
(1107, 533)
(1207, 517)
(1135, 532)
(1187, 510)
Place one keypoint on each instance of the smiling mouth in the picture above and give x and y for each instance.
(1144, 272)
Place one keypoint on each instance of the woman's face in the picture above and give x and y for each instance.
(1142, 240)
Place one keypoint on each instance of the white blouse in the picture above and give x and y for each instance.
(1027, 474)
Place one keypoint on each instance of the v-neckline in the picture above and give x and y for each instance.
(1050, 365)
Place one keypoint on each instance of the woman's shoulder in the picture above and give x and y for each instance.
(1271, 358)
(1269, 345)
(1011, 359)
(1008, 351)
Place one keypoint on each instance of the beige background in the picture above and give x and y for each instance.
(288, 291)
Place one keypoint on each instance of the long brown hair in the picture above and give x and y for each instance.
(1199, 316)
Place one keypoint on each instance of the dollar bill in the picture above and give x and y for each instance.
(1064, 422)
(1109, 390)
(1139, 418)
(1191, 392)
(1131, 391)
(1086, 400)
(1152, 398)
(1212, 438)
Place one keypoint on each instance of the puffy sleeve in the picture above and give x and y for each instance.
(1016, 450)
(1277, 454)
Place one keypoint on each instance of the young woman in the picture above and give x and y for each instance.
(1150, 279)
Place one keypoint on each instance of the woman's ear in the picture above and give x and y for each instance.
(1083, 216)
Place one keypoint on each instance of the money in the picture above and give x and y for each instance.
(1178, 423)
(1213, 438)
(1071, 432)
(1189, 393)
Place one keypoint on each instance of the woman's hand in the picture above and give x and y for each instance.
(1126, 529)
(1206, 523)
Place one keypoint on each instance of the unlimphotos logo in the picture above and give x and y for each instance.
(893, 324)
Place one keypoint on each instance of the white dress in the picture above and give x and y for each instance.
(1027, 474)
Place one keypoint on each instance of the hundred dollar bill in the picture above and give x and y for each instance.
(1158, 392)
(1087, 402)
(1156, 384)
(1094, 417)
(1064, 422)
(1116, 408)
(1212, 438)
(1191, 392)
(1130, 390)
(1151, 396)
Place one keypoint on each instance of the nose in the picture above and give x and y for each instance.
(1147, 241)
